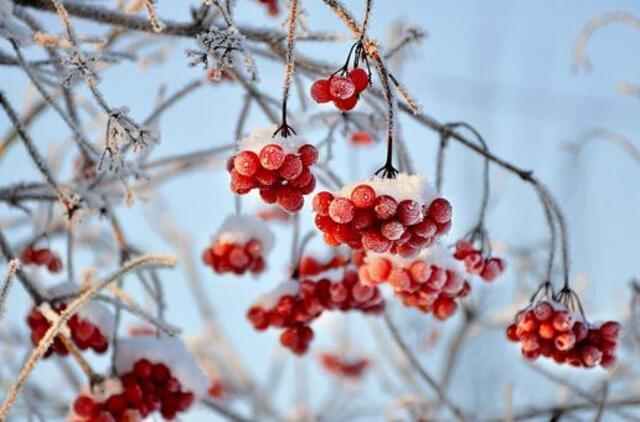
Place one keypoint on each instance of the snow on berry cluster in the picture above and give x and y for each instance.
(279, 167)
(90, 328)
(154, 374)
(550, 329)
(43, 257)
(400, 216)
(294, 305)
(241, 244)
(488, 268)
(352, 368)
(344, 91)
(430, 282)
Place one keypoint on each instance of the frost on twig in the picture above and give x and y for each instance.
(14, 264)
(80, 66)
(226, 48)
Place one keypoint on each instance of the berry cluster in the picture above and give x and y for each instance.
(84, 334)
(240, 245)
(548, 328)
(347, 368)
(235, 258)
(293, 306)
(310, 266)
(488, 268)
(278, 167)
(43, 257)
(344, 91)
(272, 7)
(147, 388)
(431, 282)
(399, 216)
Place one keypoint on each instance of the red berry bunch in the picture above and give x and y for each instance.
(487, 267)
(240, 245)
(347, 368)
(548, 328)
(147, 388)
(343, 90)
(84, 334)
(431, 282)
(293, 306)
(278, 167)
(272, 7)
(310, 266)
(399, 216)
(43, 257)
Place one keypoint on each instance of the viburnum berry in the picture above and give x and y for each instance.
(363, 196)
(346, 104)
(360, 79)
(246, 163)
(361, 138)
(487, 267)
(272, 156)
(341, 210)
(440, 210)
(320, 91)
(341, 88)
(348, 368)
(548, 328)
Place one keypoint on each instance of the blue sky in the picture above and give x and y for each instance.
(503, 66)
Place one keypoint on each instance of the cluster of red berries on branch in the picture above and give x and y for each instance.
(42, 257)
(487, 267)
(401, 215)
(310, 265)
(294, 305)
(343, 367)
(549, 328)
(168, 382)
(344, 91)
(90, 328)
(431, 282)
(240, 246)
(278, 166)
(273, 9)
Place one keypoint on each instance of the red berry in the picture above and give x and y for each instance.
(373, 241)
(290, 199)
(266, 177)
(309, 187)
(361, 138)
(359, 78)
(272, 156)
(590, 356)
(546, 330)
(440, 210)
(303, 179)
(269, 195)
(320, 91)
(291, 167)
(241, 184)
(346, 104)
(392, 229)
(363, 196)
(143, 369)
(511, 333)
(341, 88)
(341, 210)
(385, 207)
(55, 265)
(246, 163)
(444, 308)
(116, 404)
(362, 293)
(565, 341)
(610, 331)
(493, 267)
(321, 203)
(238, 258)
(308, 154)
(379, 269)
(85, 406)
(563, 321)
(160, 372)
(543, 311)
(409, 212)
(426, 228)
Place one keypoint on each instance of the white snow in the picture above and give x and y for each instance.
(404, 186)
(242, 228)
(166, 350)
(270, 299)
(94, 312)
(260, 137)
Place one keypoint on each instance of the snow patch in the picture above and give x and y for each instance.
(270, 299)
(405, 186)
(260, 137)
(169, 351)
(242, 228)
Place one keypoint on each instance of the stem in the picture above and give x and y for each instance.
(289, 67)
(24, 280)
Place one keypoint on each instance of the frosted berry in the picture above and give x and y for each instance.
(272, 156)
(346, 104)
(363, 196)
(308, 154)
(341, 88)
(246, 163)
(320, 91)
(440, 210)
(290, 198)
(360, 79)
(321, 203)
(291, 167)
(341, 210)
(385, 207)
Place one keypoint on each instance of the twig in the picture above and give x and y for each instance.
(12, 268)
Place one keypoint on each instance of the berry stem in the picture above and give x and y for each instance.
(24, 280)
(289, 67)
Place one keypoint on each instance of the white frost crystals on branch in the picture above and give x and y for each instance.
(227, 48)
(9, 26)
